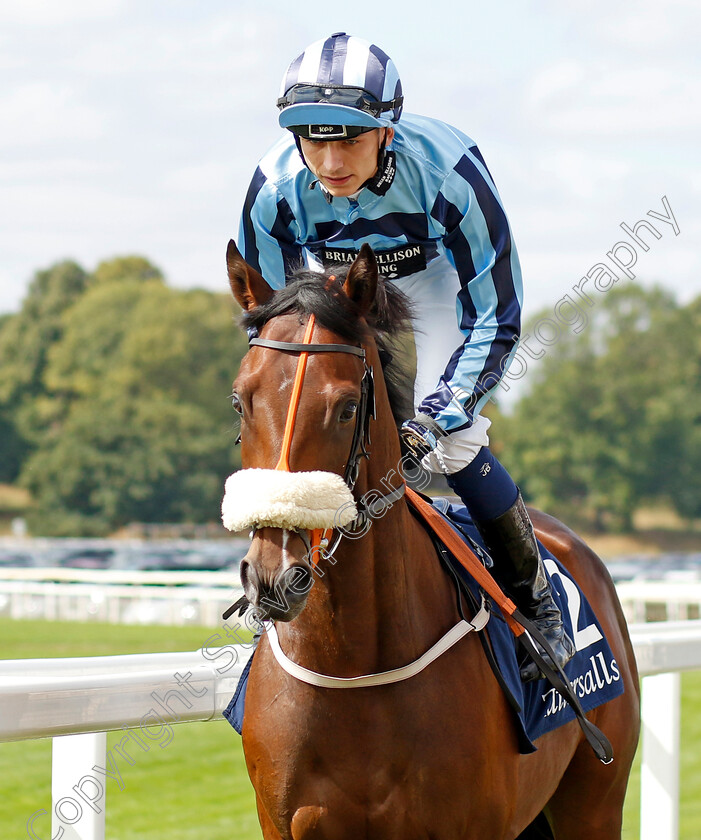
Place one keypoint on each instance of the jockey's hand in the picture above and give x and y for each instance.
(445, 452)
(421, 435)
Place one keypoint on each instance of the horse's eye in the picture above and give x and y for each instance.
(349, 411)
(236, 403)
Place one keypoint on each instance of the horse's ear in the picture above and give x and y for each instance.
(361, 280)
(249, 287)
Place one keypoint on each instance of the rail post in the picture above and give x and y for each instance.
(659, 783)
(78, 789)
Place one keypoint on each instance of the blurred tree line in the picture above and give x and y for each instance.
(611, 419)
(114, 404)
(114, 398)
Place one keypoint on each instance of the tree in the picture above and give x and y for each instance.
(675, 414)
(606, 416)
(132, 269)
(147, 340)
(94, 330)
(12, 449)
(26, 339)
(137, 424)
(120, 459)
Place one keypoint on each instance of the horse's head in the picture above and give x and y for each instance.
(305, 395)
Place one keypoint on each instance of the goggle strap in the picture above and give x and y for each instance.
(388, 105)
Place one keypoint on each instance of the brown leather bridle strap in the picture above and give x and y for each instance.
(528, 630)
(299, 347)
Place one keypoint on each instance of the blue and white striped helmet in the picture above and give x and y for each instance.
(341, 81)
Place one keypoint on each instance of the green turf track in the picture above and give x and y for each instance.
(196, 786)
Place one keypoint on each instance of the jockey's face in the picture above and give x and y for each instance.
(343, 166)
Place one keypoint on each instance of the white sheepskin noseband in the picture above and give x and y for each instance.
(276, 499)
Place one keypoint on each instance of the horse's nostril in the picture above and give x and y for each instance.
(298, 579)
(245, 573)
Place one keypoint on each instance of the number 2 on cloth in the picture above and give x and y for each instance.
(590, 634)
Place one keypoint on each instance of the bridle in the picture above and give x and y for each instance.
(318, 544)
(366, 403)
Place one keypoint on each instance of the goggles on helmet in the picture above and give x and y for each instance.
(351, 97)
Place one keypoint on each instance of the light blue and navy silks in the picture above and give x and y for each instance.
(440, 216)
(593, 671)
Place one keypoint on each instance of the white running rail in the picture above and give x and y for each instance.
(197, 597)
(75, 701)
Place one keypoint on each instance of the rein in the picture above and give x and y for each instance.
(284, 461)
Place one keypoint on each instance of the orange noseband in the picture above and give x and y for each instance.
(284, 461)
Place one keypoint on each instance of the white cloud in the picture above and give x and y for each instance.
(41, 170)
(12, 288)
(674, 266)
(40, 113)
(580, 174)
(210, 177)
(217, 44)
(641, 26)
(554, 82)
(614, 99)
(673, 24)
(52, 12)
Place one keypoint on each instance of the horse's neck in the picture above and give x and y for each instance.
(384, 599)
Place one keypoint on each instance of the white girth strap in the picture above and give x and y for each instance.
(462, 628)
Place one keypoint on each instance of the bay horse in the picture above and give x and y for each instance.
(430, 757)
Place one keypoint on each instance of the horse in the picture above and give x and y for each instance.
(436, 755)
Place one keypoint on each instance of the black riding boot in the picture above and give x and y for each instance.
(518, 567)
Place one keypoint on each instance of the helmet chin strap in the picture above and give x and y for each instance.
(298, 143)
(381, 154)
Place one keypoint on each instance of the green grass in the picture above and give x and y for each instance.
(197, 786)
(690, 769)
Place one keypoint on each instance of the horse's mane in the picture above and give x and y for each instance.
(387, 323)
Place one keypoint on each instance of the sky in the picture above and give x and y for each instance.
(134, 127)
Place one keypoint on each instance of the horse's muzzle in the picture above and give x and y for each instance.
(275, 580)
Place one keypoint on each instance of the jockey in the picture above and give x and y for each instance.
(419, 193)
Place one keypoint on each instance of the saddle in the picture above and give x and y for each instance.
(590, 679)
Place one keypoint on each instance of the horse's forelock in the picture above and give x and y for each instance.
(320, 293)
(316, 293)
